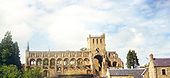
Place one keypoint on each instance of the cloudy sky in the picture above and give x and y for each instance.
(142, 25)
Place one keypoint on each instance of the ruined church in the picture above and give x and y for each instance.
(93, 61)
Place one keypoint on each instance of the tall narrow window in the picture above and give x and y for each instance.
(163, 72)
(93, 41)
(114, 64)
(97, 41)
(100, 41)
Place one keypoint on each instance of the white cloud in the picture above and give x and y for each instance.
(14, 17)
(67, 23)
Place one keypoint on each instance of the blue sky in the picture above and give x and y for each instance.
(142, 25)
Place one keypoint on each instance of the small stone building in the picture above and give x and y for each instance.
(93, 61)
(158, 68)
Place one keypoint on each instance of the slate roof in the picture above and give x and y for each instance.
(146, 70)
(137, 73)
(162, 62)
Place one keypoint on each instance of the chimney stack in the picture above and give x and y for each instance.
(151, 56)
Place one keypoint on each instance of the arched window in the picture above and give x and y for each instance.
(45, 61)
(59, 61)
(73, 62)
(99, 58)
(58, 64)
(52, 62)
(114, 64)
(79, 62)
(86, 61)
(66, 62)
(32, 62)
(39, 62)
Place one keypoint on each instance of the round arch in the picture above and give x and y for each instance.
(52, 62)
(39, 62)
(73, 62)
(66, 62)
(32, 62)
(86, 61)
(99, 58)
(59, 61)
(45, 61)
(79, 62)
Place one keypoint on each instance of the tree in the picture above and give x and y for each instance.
(83, 49)
(129, 59)
(10, 64)
(135, 58)
(15, 59)
(6, 48)
(132, 60)
(9, 71)
(9, 51)
(0, 55)
(32, 73)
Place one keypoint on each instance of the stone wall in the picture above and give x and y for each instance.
(159, 72)
(55, 63)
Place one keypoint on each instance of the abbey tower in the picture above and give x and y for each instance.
(96, 44)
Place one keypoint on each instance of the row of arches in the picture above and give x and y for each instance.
(59, 61)
(112, 64)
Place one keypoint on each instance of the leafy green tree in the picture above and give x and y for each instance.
(10, 64)
(129, 59)
(9, 51)
(6, 48)
(32, 73)
(135, 58)
(9, 71)
(15, 59)
(0, 55)
(132, 60)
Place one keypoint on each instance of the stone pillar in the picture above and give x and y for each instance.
(103, 71)
(91, 62)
